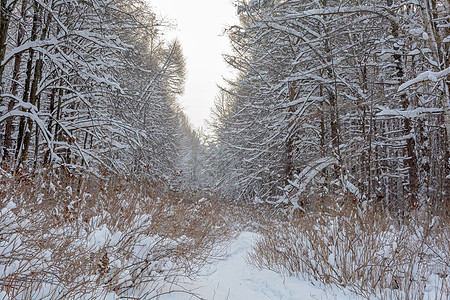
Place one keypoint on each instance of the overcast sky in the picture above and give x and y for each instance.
(200, 26)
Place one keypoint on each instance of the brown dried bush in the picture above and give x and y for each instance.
(66, 236)
(362, 250)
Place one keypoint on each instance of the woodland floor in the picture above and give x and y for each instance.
(233, 278)
(62, 238)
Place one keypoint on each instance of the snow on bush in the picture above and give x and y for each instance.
(363, 251)
(65, 238)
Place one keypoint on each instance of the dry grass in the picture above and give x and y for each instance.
(66, 237)
(362, 250)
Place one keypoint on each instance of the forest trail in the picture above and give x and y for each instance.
(233, 278)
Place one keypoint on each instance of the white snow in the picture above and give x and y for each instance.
(411, 113)
(414, 52)
(425, 76)
(302, 180)
(99, 238)
(233, 278)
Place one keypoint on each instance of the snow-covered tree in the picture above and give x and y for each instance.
(320, 103)
(89, 83)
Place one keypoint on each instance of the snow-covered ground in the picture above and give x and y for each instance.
(232, 278)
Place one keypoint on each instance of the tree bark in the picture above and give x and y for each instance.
(15, 83)
(20, 153)
(5, 15)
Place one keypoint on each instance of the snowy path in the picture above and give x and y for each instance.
(234, 279)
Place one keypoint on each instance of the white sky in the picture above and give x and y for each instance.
(200, 27)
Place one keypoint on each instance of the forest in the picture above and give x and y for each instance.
(331, 143)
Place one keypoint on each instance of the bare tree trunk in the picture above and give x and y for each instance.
(290, 168)
(15, 83)
(6, 10)
(334, 110)
(331, 90)
(20, 153)
(34, 97)
(411, 160)
(50, 122)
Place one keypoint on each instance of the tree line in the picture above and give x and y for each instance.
(89, 83)
(333, 97)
